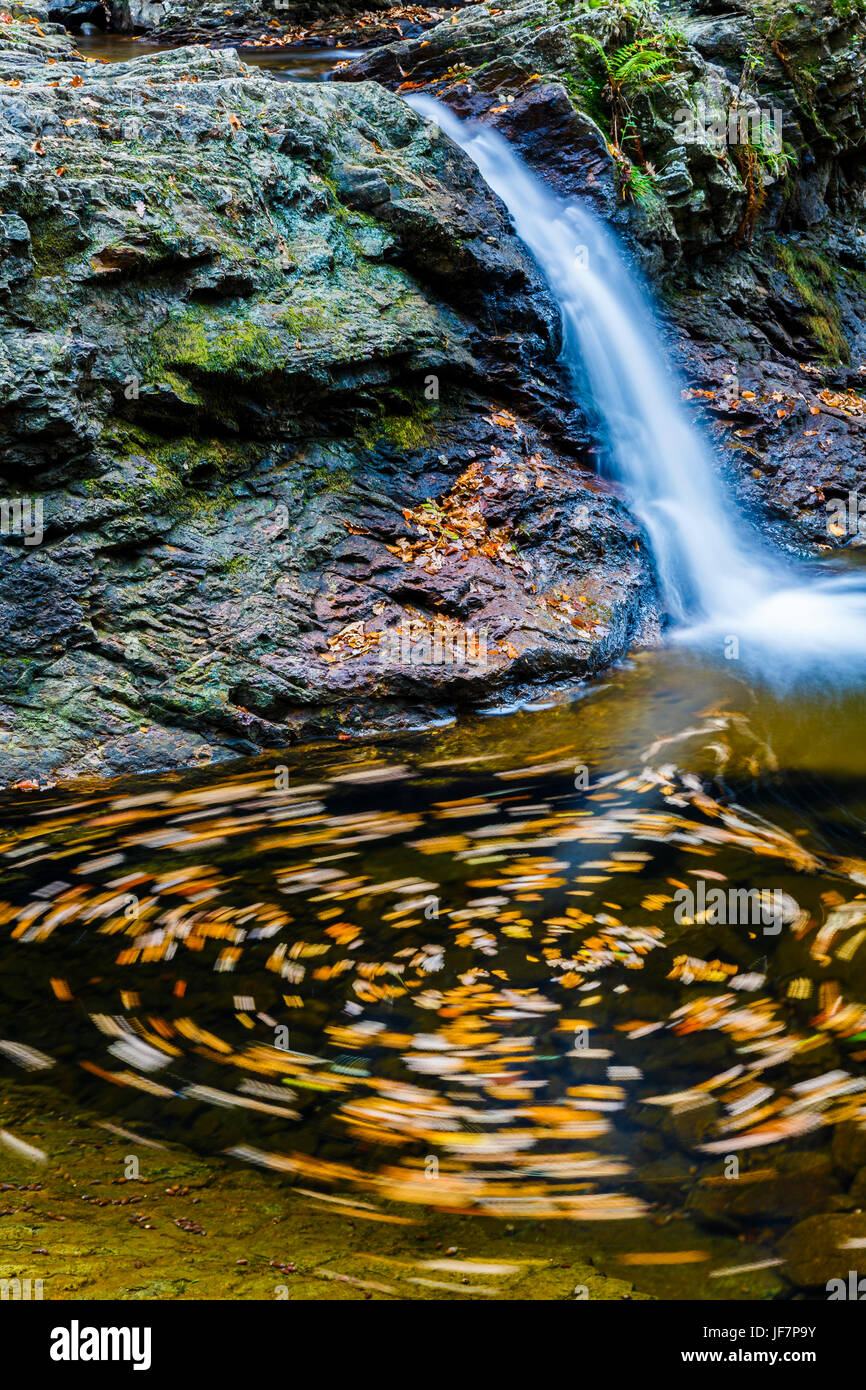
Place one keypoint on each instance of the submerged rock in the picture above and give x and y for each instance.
(285, 444)
(822, 1248)
(792, 1186)
(849, 1147)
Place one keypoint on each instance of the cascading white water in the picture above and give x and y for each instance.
(716, 578)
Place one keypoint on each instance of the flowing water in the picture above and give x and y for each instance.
(472, 969)
(718, 579)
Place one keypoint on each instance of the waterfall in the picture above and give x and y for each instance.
(716, 576)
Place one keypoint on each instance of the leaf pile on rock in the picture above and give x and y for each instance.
(456, 523)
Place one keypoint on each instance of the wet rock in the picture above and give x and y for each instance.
(565, 143)
(73, 13)
(815, 1250)
(849, 1146)
(593, 1286)
(688, 128)
(687, 1125)
(844, 1202)
(662, 1179)
(691, 1124)
(795, 1185)
(318, 23)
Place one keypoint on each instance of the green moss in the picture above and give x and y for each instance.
(170, 484)
(45, 311)
(585, 92)
(777, 24)
(346, 216)
(53, 242)
(825, 330)
(214, 343)
(411, 430)
(236, 564)
(813, 277)
(187, 454)
(182, 388)
(104, 1255)
(300, 318)
(324, 479)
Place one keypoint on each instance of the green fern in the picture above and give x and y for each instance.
(634, 64)
(640, 66)
(592, 42)
(631, 69)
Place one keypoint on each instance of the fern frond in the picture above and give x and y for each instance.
(641, 65)
(623, 54)
(593, 43)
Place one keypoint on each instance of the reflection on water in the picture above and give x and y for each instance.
(457, 970)
(286, 65)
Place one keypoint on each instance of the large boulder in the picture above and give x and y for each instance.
(284, 435)
(71, 14)
(724, 86)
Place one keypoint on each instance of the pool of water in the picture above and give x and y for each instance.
(297, 64)
(480, 968)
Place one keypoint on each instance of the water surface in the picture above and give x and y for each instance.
(296, 64)
(447, 970)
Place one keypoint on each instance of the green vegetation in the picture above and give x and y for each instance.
(612, 82)
(335, 480)
(213, 343)
(637, 184)
(752, 65)
(813, 277)
(776, 25)
(236, 564)
(168, 483)
(752, 158)
(53, 241)
(411, 430)
(633, 68)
